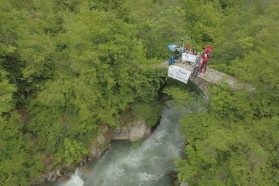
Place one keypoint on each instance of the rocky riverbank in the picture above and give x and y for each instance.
(132, 131)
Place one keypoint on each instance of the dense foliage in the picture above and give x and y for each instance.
(236, 141)
(69, 68)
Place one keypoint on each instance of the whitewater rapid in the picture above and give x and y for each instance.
(146, 164)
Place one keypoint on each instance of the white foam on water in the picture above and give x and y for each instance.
(146, 164)
(119, 172)
(75, 180)
(145, 177)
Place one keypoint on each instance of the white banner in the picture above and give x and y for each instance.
(188, 57)
(179, 73)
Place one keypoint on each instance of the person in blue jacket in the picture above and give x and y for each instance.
(171, 60)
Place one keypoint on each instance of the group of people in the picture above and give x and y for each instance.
(200, 64)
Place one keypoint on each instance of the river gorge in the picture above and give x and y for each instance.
(148, 163)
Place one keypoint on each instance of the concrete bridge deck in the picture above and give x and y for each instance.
(210, 77)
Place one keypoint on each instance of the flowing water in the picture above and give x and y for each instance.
(145, 164)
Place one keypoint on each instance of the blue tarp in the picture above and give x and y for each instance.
(172, 47)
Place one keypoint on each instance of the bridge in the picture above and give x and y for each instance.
(212, 76)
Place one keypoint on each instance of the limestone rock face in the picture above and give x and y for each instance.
(184, 184)
(138, 131)
(101, 144)
(120, 133)
(134, 131)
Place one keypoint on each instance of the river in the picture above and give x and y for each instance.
(144, 164)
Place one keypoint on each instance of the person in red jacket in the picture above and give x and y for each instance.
(205, 58)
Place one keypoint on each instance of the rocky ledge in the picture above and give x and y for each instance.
(133, 131)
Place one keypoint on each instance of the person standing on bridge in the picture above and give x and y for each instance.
(171, 60)
(176, 53)
(203, 66)
(196, 66)
(205, 57)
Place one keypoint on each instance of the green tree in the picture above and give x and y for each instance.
(19, 164)
(228, 144)
(73, 67)
(236, 155)
(100, 70)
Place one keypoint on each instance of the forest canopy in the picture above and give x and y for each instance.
(69, 68)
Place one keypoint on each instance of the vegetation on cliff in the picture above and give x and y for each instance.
(69, 68)
(236, 141)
